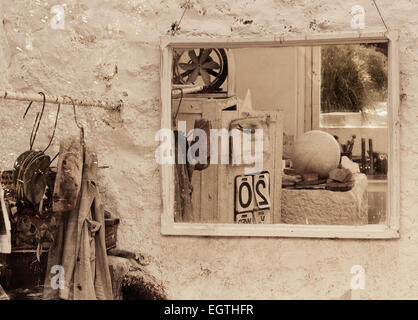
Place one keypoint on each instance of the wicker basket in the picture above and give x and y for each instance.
(111, 230)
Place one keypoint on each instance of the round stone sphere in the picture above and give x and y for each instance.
(316, 152)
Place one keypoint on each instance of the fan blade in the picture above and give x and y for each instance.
(205, 77)
(193, 76)
(211, 65)
(178, 54)
(205, 54)
(193, 56)
(212, 73)
(187, 66)
(185, 73)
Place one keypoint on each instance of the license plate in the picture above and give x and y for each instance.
(252, 194)
(262, 190)
(244, 194)
(262, 217)
(244, 218)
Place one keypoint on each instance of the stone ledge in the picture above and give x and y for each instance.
(327, 207)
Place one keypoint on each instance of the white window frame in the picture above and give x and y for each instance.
(382, 231)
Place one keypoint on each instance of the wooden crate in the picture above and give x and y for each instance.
(213, 188)
(111, 232)
(272, 164)
(205, 190)
(26, 270)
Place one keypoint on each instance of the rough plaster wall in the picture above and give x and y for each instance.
(80, 61)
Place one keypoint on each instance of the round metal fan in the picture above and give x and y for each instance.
(210, 65)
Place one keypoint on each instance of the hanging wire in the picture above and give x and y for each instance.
(55, 127)
(75, 113)
(27, 109)
(54, 158)
(381, 17)
(33, 129)
(37, 122)
(175, 26)
(76, 122)
(178, 107)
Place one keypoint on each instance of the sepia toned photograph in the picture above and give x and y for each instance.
(202, 157)
(323, 151)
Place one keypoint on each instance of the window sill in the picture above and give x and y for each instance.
(282, 230)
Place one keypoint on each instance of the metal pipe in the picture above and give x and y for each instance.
(176, 93)
(60, 100)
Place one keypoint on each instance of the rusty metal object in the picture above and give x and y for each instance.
(211, 64)
(104, 104)
(339, 186)
(340, 175)
(206, 126)
(69, 174)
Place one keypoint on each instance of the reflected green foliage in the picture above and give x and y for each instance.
(354, 77)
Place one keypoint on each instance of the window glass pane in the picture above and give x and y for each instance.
(354, 85)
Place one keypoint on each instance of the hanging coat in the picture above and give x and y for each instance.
(80, 246)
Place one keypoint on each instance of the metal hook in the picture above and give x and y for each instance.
(37, 122)
(55, 127)
(33, 130)
(178, 107)
(27, 109)
(75, 120)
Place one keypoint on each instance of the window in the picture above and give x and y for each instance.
(289, 137)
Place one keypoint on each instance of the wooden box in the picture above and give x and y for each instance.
(111, 231)
(213, 196)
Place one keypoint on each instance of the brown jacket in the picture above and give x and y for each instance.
(80, 246)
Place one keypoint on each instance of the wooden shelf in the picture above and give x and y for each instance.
(28, 250)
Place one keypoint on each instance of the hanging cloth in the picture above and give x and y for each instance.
(69, 175)
(70, 168)
(80, 247)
